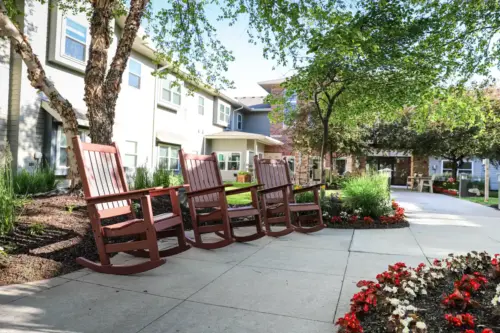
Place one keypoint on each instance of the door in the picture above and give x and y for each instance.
(315, 171)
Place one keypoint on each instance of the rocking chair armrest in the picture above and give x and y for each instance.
(158, 191)
(307, 189)
(136, 194)
(243, 189)
(274, 189)
(208, 190)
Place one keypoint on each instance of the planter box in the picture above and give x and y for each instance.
(244, 178)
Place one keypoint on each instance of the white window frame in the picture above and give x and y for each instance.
(170, 103)
(135, 74)
(63, 40)
(82, 133)
(169, 155)
(125, 153)
(459, 169)
(223, 114)
(226, 159)
(201, 105)
(250, 164)
(239, 121)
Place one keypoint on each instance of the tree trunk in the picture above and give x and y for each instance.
(39, 81)
(324, 147)
(95, 72)
(454, 169)
(101, 89)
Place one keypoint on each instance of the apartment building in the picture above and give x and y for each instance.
(154, 118)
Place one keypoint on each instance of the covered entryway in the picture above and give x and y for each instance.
(399, 166)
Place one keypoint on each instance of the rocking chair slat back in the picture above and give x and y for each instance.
(201, 172)
(102, 174)
(272, 173)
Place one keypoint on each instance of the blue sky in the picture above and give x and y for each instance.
(250, 66)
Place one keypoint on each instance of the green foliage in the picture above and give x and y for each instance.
(244, 173)
(7, 196)
(42, 179)
(369, 193)
(36, 229)
(160, 177)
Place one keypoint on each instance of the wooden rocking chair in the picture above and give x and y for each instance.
(278, 197)
(207, 191)
(107, 195)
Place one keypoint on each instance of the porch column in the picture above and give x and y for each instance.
(419, 164)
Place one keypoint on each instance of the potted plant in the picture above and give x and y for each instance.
(244, 177)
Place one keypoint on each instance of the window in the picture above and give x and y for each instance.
(201, 105)
(251, 154)
(134, 74)
(233, 161)
(239, 121)
(222, 161)
(224, 112)
(170, 93)
(291, 163)
(168, 157)
(130, 160)
(466, 167)
(62, 146)
(75, 40)
(229, 161)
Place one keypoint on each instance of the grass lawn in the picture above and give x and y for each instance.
(246, 198)
(493, 200)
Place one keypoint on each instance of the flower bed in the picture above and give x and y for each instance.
(355, 220)
(457, 294)
(438, 189)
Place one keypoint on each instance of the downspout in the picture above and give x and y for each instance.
(154, 117)
(234, 115)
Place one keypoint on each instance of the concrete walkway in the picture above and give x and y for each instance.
(297, 283)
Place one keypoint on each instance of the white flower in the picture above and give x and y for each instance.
(394, 289)
(495, 300)
(410, 292)
(498, 288)
(406, 302)
(421, 325)
(406, 330)
(411, 308)
(399, 312)
(433, 275)
(394, 301)
(423, 292)
(411, 284)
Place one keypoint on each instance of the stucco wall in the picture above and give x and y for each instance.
(232, 146)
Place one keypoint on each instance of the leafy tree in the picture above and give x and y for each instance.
(182, 34)
(456, 143)
(366, 65)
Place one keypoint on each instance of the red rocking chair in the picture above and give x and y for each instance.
(207, 191)
(278, 199)
(107, 195)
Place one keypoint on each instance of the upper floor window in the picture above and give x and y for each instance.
(168, 157)
(201, 105)
(224, 112)
(134, 74)
(239, 121)
(170, 93)
(130, 160)
(75, 40)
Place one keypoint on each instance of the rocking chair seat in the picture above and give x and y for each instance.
(301, 207)
(242, 211)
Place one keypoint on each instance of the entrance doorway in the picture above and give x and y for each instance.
(399, 166)
(315, 170)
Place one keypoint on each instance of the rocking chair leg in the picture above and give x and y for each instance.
(150, 230)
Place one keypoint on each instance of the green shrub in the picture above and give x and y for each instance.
(36, 229)
(160, 177)
(42, 179)
(368, 193)
(244, 173)
(7, 196)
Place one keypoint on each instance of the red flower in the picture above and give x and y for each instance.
(494, 262)
(469, 331)
(487, 330)
(336, 219)
(461, 320)
(368, 219)
(350, 323)
(451, 180)
(353, 218)
(395, 205)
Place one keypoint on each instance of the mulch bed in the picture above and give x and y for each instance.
(360, 224)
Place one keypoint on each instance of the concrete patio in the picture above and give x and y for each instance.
(297, 283)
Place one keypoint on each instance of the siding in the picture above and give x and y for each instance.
(257, 122)
(4, 89)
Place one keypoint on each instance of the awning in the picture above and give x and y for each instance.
(235, 135)
(171, 137)
(81, 116)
